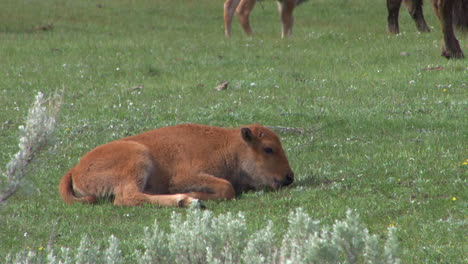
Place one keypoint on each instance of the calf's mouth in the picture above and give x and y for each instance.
(287, 180)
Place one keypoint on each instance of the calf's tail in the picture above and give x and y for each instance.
(67, 193)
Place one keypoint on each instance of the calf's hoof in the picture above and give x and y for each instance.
(196, 204)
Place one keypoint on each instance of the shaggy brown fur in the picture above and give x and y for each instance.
(175, 166)
(445, 11)
(414, 8)
(449, 12)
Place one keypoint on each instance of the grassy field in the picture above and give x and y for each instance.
(385, 117)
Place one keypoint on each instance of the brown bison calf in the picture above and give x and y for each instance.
(176, 166)
(449, 12)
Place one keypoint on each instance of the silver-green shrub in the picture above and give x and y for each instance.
(200, 237)
(350, 236)
(261, 248)
(391, 247)
(87, 253)
(156, 246)
(34, 135)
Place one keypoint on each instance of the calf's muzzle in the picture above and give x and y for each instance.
(287, 180)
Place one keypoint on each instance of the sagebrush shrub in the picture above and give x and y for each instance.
(200, 237)
(34, 136)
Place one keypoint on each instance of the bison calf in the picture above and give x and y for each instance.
(175, 166)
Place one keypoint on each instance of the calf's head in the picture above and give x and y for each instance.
(263, 159)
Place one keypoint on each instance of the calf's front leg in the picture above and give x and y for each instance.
(203, 186)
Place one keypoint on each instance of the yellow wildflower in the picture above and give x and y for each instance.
(444, 90)
(41, 248)
(454, 198)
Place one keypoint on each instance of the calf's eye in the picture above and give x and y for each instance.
(268, 150)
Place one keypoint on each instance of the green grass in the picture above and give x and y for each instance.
(386, 133)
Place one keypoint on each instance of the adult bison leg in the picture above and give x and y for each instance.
(286, 8)
(460, 15)
(416, 11)
(243, 13)
(229, 9)
(451, 47)
(393, 7)
(203, 186)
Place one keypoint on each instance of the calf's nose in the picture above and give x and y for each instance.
(288, 179)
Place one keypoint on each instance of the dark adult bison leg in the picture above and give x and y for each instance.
(393, 7)
(460, 14)
(451, 47)
(416, 11)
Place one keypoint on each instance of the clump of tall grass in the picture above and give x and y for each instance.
(34, 136)
(201, 237)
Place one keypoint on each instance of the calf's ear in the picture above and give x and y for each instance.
(247, 134)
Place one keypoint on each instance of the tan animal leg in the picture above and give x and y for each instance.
(130, 195)
(286, 8)
(205, 187)
(229, 9)
(243, 12)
